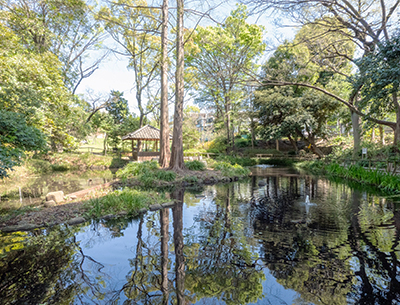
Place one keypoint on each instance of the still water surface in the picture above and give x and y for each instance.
(238, 243)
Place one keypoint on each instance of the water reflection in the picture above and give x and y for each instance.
(34, 189)
(231, 244)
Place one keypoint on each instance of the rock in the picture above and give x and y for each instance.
(72, 197)
(109, 216)
(49, 204)
(236, 178)
(123, 213)
(155, 207)
(23, 227)
(142, 210)
(261, 183)
(168, 204)
(76, 220)
(56, 196)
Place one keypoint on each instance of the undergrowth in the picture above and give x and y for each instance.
(126, 200)
(229, 170)
(195, 165)
(386, 182)
(148, 173)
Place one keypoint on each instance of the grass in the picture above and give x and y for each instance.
(127, 200)
(148, 173)
(229, 170)
(195, 165)
(388, 183)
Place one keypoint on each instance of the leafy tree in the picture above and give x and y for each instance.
(32, 84)
(283, 113)
(133, 25)
(221, 59)
(379, 78)
(365, 23)
(190, 133)
(16, 137)
(65, 28)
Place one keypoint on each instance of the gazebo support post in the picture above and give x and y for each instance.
(133, 148)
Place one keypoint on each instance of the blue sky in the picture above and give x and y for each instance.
(113, 74)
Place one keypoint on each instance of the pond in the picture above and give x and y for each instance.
(281, 237)
(32, 191)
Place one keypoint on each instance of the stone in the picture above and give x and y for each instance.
(72, 197)
(56, 196)
(109, 216)
(49, 204)
(76, 220)
(143, 210)
(155, 207)
(168, 204)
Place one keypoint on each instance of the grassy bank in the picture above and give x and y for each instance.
(388, 183)
(148, 174)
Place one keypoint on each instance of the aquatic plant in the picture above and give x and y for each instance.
(126, 200)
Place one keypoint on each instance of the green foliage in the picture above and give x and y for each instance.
(386, 182)
(39, 166)
(16, 137)
(379, 75)
(148, 173)
(195, 165)
(218, 145)
(134, 169)
(126, 200)
(230, 170)
(190, 179)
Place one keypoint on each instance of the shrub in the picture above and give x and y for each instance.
(230, 170)
(135, 169)
(190, 179)
(195, 165)
(39, 166)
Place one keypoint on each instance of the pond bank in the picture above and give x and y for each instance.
(106, 201)
(386, 182)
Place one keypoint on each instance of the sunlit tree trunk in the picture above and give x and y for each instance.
(355, 120)
(165, 152)
(176, 162)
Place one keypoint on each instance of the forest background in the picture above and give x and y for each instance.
(339, 75)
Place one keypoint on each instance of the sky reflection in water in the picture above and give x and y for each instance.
(237, 243)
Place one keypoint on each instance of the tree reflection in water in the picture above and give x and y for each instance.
(219, 249)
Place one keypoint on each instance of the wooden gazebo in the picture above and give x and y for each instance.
(145, 134)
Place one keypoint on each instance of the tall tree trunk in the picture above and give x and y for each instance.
(252, 132)
(165, 152)
(228, 123)
(176, 163)
(105, 144)
(396, 139)
(139, 142)
(294, 144)
(382, 134)
(355, 121)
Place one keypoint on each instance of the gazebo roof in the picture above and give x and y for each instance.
(146, 133)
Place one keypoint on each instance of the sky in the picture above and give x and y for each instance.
(114, 75)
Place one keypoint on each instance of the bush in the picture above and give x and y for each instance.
(195, 165)
(39, 166)
(191, 179)
(148, 173)
(134, 169)
(230, 170)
